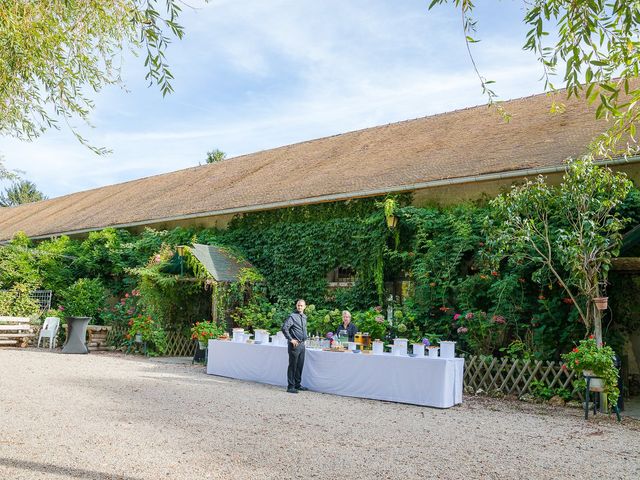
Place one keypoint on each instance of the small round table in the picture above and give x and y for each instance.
(76, 335)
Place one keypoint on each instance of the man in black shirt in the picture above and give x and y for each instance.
(348, 326)
(295, 330)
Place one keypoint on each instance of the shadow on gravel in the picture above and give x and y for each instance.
(59, 470)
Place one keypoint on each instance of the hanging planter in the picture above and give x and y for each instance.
(601, 302)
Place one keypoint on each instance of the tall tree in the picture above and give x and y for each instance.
(597, 45)
(54, 50)
(21, 191)
(216, 156)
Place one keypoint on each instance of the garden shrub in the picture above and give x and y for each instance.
(84, 298)
(17, 302)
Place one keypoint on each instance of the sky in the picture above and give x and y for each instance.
(252, 75)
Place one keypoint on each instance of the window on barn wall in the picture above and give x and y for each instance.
(341, 277)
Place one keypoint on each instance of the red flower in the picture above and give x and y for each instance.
(577, 362)
(494, 273)
(541, 297)
(575, 350)
(591, 337)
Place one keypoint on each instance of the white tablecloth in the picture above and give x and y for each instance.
(433, 382)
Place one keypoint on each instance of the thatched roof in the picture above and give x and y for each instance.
(455, 145)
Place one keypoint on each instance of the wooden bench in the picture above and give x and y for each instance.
(15, 331)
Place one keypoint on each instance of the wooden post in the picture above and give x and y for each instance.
(214, 302)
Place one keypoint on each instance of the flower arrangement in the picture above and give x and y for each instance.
(203, 331)
(588, 356)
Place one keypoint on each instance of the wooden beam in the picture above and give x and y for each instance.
(625, 264)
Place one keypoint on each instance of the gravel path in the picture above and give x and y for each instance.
(106, 416)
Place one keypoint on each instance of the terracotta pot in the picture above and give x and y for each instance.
(601, 302)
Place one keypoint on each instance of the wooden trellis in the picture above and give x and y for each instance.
(514, 377)
(178, 345)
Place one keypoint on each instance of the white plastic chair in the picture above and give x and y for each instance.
(50, 331)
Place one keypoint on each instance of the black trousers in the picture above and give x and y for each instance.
(296, 364)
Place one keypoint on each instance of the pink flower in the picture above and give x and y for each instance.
(126, 295)
(456, 316)
(379, 319)
(378, 308)
(469, 316)
(463, 330)
(61, 308)
(499, 319)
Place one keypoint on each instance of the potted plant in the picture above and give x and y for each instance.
(144, 329)
(597, 363)
(204, 331)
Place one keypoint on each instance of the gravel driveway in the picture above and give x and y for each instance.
(107, 416)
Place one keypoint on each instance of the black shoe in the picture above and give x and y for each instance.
(292, 390)
(302, 389)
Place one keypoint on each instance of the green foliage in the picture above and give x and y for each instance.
(541, 390)
(18, 263)
(17, 302)
(372, 322)
(599, 359)
(482, 334)
(295, 248)
(84, 298)
(20, 192)
(175, 301)
(571, 232)
(258, 315)
(53, 52)
(215, 156)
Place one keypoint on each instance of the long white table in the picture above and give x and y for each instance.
(433, 382)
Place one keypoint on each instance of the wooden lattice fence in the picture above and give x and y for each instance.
(178, 345)
(515, 377)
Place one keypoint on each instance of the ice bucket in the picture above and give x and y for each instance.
(400, 346)
(418, 349)
(447, 349)
(238, 335)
